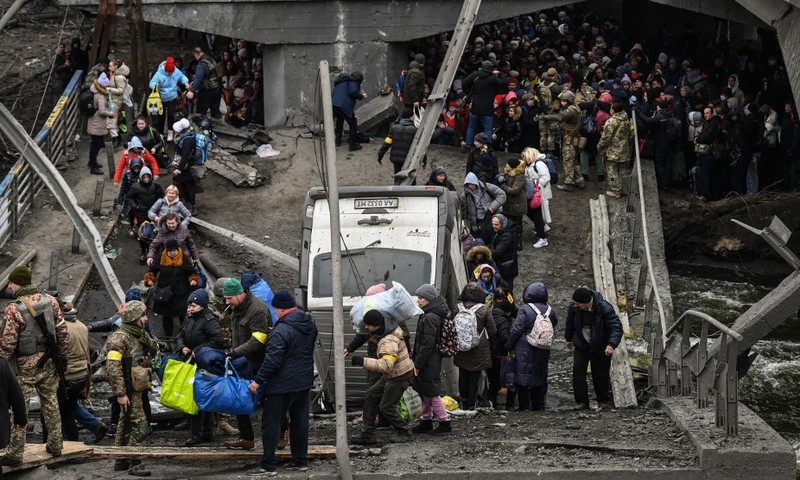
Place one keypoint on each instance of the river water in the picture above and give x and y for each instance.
(772, 386)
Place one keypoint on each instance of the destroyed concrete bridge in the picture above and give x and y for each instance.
(372, 36)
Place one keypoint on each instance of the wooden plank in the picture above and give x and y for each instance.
(202, 453)
(35, 455)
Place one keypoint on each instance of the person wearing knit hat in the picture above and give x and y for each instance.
(131, 340)
(102, 80)
(593, 330)
(166, 80)
(439, 178)
(428, 361)
(20, 275)
(395, 366)
(20, 335)
(201, 328)
(250, 321)
(286, 377)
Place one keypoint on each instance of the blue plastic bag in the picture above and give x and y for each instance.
(223, 394)
(212, 360)
(261, 289)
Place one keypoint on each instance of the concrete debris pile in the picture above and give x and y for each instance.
(233, 168)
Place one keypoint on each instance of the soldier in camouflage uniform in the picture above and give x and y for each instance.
(36, 368)
(570, 119)
(548, 130)
(615, 146)
(128, 366)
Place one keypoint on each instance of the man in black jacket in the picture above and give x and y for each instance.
(400, 137)
(10, 397)
(593, 330)
(206, 88)
(483, 84)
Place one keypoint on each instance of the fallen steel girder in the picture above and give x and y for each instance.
(53, 180)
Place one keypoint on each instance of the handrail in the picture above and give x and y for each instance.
(708, 318)
(645, 236)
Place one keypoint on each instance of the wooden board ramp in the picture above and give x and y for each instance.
(202, 453)
(36, 456)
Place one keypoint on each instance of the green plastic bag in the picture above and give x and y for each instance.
(177, 388)
(402, 409)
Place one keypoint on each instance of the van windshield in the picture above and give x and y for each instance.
(373, 265)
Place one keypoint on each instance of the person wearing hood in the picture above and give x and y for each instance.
(483, 84)
(399, 140)
(532, 363)
(487, 278)
(135, 150)
(428, 362)
(287, 374)
(503, 312)
(173, 278)
(439, 178)
(142, 195)
(167, 79)
(504, 248)
(480, 202)
(118, 74)
(346, 92)
(414, 84)
(482, 161)
(593, 330)
(97, 125)
(396, 367)
(472, 362)
(476, 257)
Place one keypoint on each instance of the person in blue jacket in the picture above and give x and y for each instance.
(593, 330)
(346, 92)
(167, 77)
(287, 374)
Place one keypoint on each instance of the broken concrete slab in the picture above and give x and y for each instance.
(245, 139)
(377, 112)
(234, 169)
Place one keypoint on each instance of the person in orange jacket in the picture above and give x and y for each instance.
(135, 149)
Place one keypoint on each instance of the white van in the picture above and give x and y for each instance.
(406, 234)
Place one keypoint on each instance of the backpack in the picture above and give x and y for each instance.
(541, 335)
(86, 103)
(466, 323)
(447, 341)
(211, 82)
(529, 187)
(202, 147)
(674, 128)
(589, 123)
(154, 105)
(551, 166)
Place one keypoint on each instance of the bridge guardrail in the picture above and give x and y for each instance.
(19, 188)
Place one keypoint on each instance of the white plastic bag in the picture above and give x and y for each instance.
(413, 403)
(266, 150)
(418, 112)
(223, 107)
(395, 303)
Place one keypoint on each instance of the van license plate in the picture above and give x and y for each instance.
(377, 203)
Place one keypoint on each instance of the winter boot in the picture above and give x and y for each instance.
(444, 428)
(425, 426)
(401, 436)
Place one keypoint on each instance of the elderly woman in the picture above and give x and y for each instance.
(174, 277)
(169, 203)
(201, 328)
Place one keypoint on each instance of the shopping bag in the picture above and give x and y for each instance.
(177, 389)
(413, 402)
(227, 393)
(395, 303)
(508, 373)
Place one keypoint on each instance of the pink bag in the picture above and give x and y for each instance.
(536, 200)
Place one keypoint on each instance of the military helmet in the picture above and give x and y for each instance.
(132, 311)
(567, 96)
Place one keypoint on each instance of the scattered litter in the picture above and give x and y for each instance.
(31, 62)
(266, 150)
(499, 425)
(464, 413)
(111, 253)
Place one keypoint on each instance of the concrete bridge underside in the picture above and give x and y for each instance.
(371, 35)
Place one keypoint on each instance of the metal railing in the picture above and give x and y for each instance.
(674, 359)
(19, 188)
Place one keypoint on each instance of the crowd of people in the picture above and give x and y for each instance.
(713, 116)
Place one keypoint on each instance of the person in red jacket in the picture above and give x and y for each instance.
(135, 149)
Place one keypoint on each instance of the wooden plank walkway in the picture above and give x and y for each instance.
(202, 453)
(35, 455)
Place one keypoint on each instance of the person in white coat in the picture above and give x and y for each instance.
(538, 172)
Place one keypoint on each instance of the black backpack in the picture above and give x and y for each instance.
(86, 103)
(673, 128)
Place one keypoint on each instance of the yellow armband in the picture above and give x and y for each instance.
(114, 355)
(260, 336)
(387, 140)
(391, 358)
